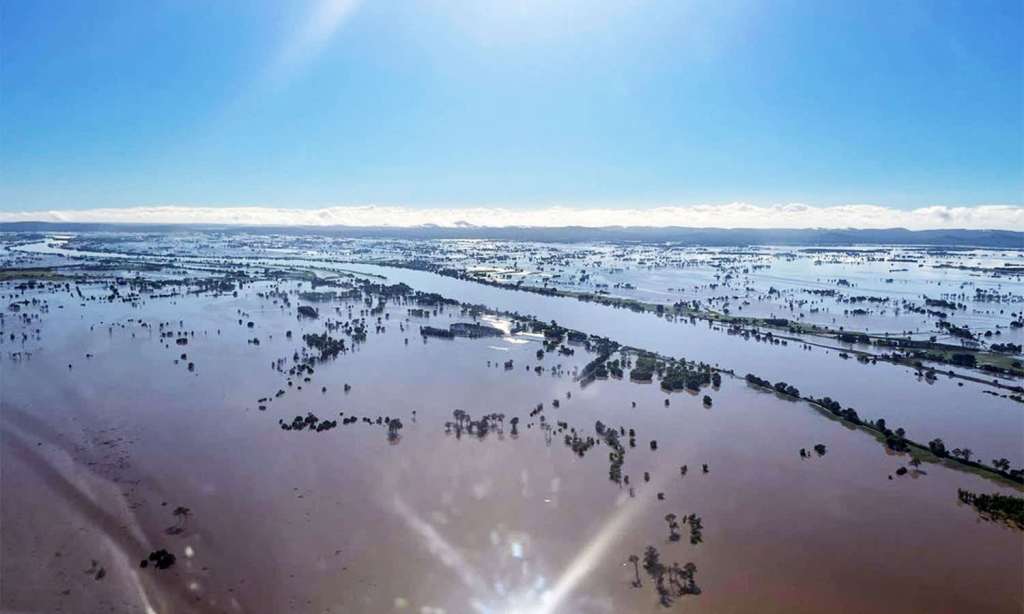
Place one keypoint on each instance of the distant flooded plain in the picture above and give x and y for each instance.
(120, 440)
(958, 411)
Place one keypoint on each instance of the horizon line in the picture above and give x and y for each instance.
(737, 215)
(428, 226)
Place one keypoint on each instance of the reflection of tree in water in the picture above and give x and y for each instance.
(181, 514)
(670, 581)
(696, 528)
(464, 422)
(996, 507)
(673, 527)
(394, 428)
(546, 430)
(635, 560)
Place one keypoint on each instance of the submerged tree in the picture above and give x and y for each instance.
(635, 560)
(670, 581)
(673, 527)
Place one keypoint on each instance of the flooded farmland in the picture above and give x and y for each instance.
(379, 426)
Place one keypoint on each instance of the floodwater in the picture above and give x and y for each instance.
(782, 282)
(988, 424)
(955, 410)
(96, 456)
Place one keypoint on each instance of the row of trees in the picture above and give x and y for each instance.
(1008, 509)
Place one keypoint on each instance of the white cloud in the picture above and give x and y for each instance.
(734, 215)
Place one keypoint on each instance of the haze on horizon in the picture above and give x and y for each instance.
(344, 112)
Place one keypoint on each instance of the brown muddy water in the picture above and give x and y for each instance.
(96, 458)
(965, 413)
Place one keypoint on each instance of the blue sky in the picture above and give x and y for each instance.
(513, 104)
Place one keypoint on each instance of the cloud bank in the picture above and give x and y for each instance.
(734, 215)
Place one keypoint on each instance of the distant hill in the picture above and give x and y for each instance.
(689, 236)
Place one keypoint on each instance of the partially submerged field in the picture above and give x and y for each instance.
(338, 459)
